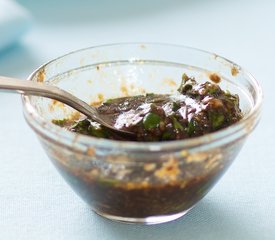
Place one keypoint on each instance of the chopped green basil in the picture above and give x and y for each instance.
(151, 120)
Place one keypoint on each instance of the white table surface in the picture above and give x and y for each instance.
(35, 202)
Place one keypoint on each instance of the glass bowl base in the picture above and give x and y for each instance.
(145, 221)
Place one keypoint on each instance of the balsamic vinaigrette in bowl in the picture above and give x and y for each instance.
(194, 110)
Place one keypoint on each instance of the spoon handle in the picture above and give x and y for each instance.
(48, 91)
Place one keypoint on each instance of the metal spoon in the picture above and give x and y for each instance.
(53, 92)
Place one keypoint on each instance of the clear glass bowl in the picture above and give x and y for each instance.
(139, 182)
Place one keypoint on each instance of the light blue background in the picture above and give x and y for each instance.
(35, 202)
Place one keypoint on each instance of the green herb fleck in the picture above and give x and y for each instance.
(166, 135)
(177, 125)
(60, 122)
(175, 106)
(109, 101)
(151, 120)
(191, 128)
(96, 130)
(216, 119)
(107, 182)
(212, 91)
(186, 84)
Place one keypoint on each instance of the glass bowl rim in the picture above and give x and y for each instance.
(68, 139)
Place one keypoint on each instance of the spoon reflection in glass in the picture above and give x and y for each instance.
(53, 92)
